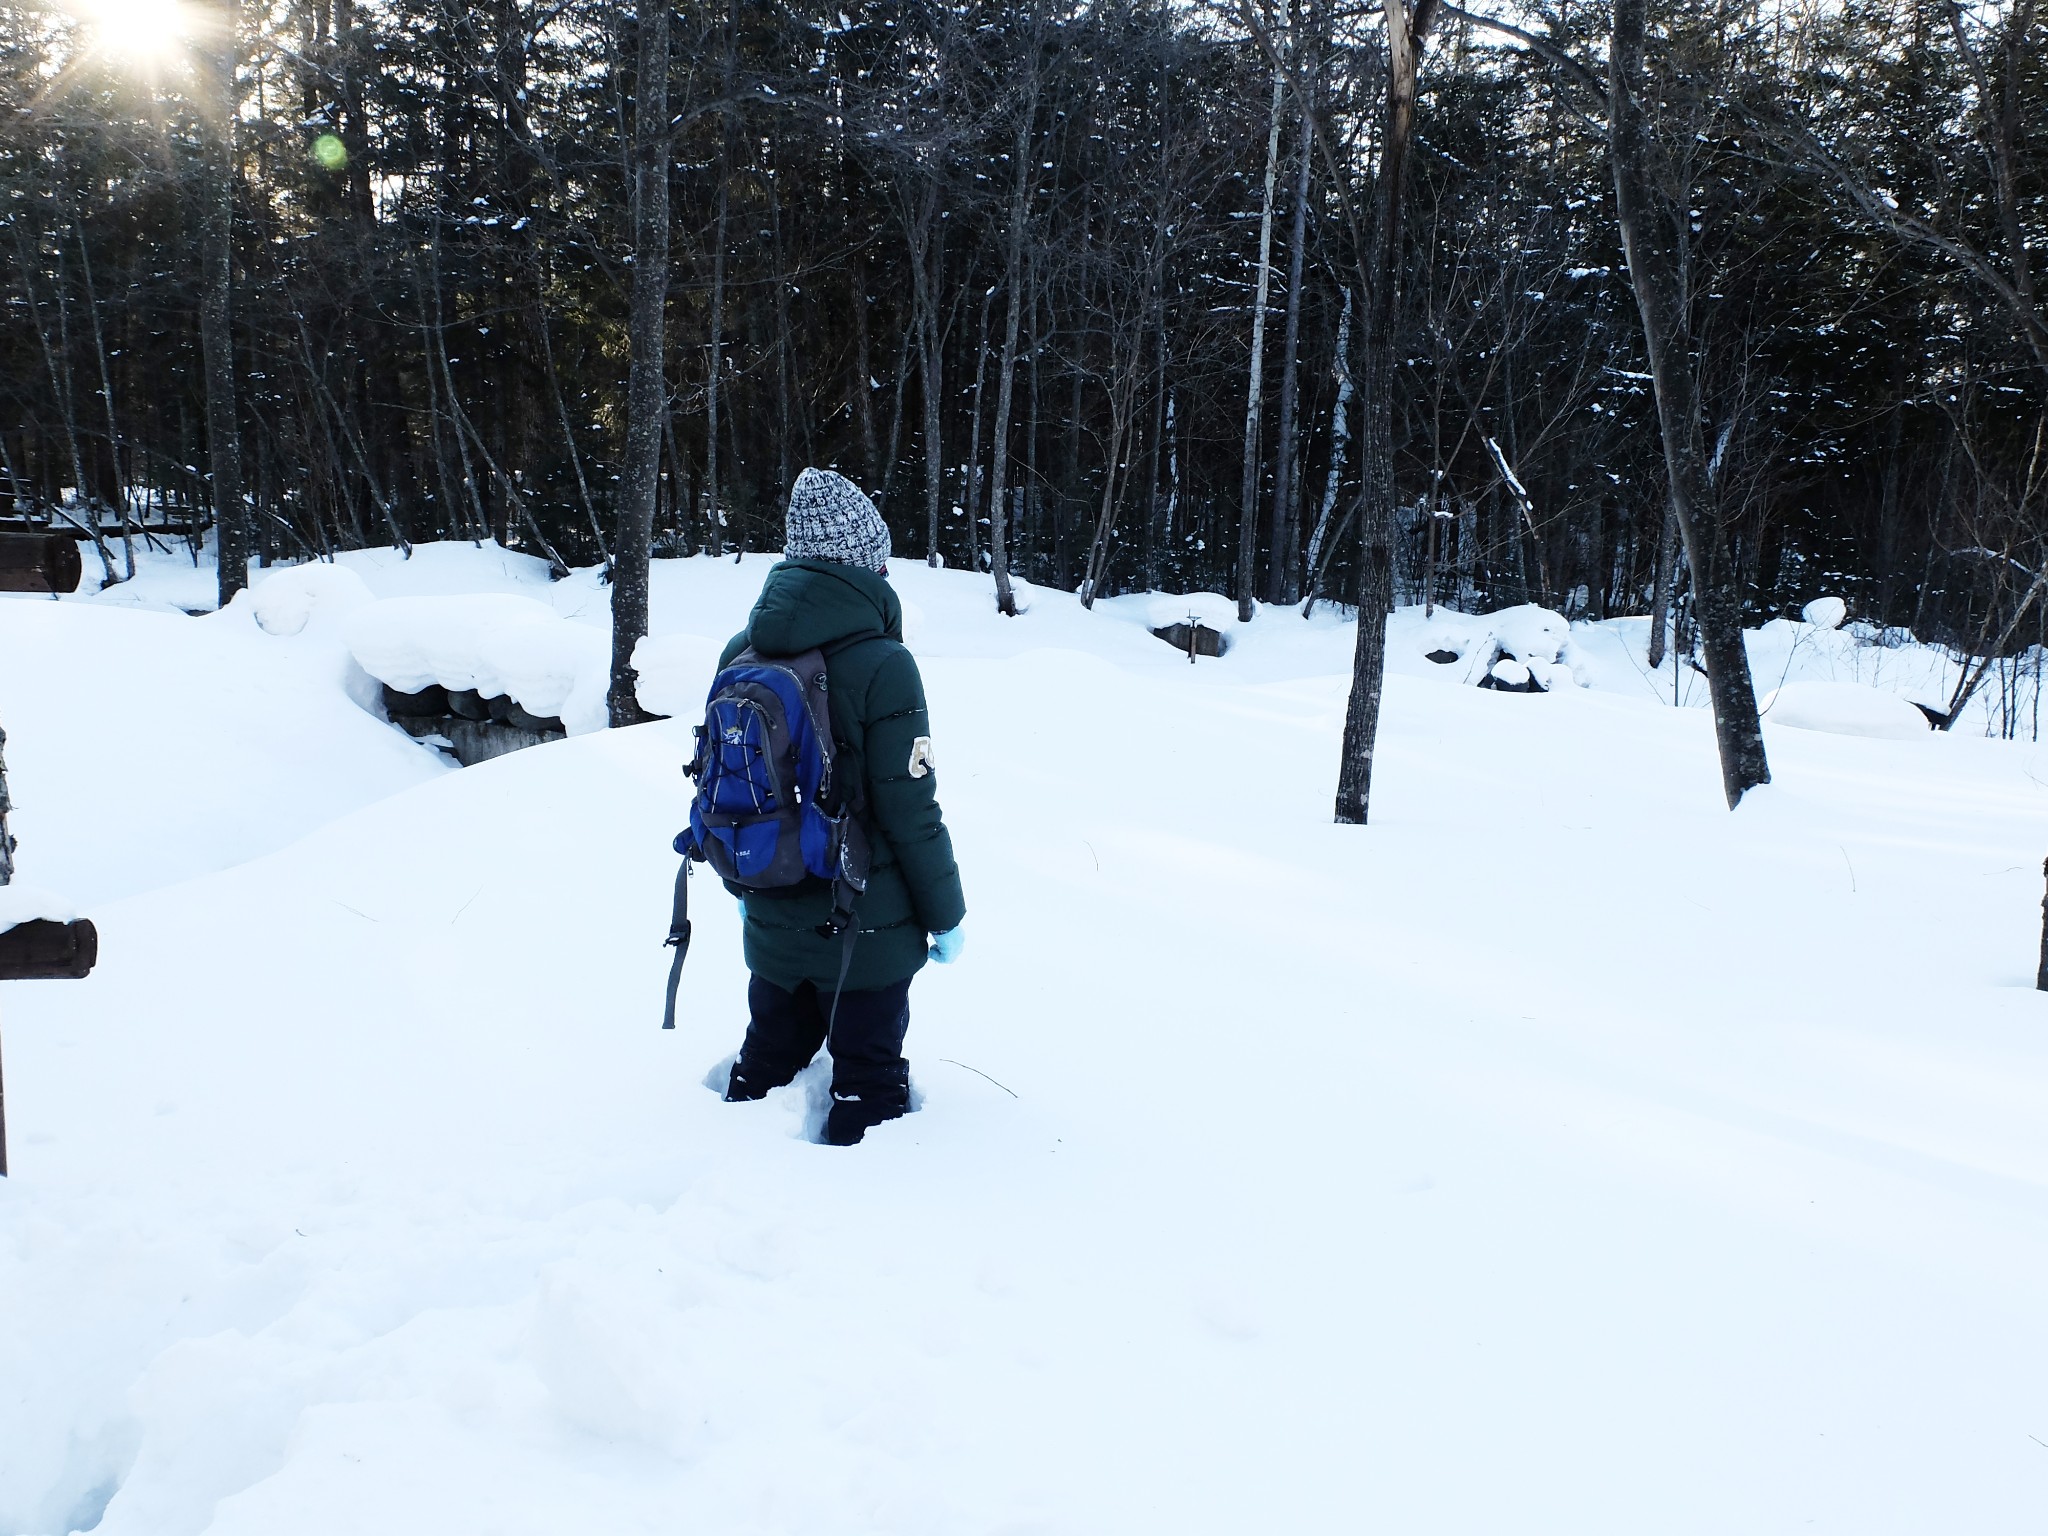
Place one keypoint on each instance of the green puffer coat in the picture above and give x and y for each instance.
(880, 734)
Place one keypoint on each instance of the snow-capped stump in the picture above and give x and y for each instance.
(40, 562)
(1845, 709)
(1825, 612)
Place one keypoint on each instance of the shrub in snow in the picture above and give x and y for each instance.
(284, 600)
(1844, 709)
(1825, 612)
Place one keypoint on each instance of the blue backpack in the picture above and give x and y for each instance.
(768, 814)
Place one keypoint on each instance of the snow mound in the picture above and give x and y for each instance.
(30, 904)
(284, 601)
(495, 643)
(675, 673)
(1825, 612)
(1528, 640)
(913, 621)
(1210, 608)
(1844, 709)
(1530, 633)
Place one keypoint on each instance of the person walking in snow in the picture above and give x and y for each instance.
(831, 593)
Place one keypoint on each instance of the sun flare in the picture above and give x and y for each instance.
(140, 29)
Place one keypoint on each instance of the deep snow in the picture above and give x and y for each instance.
(1561, 1153)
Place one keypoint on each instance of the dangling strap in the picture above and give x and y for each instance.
(678, 940)
(845, 965)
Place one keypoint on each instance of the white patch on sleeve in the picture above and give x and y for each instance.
(921, 757)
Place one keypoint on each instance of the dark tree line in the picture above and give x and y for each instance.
(375, 259)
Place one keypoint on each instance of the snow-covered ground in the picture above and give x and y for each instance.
(1560, 1153)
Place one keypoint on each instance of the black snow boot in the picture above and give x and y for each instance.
(755, 1078)
(858, 1107)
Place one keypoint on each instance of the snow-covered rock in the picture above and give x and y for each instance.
(1538, 640)
(1509, 673)
(1210, 608)
(1844, 709)
(1825, 612)
(1529, 632)
(498, 644)
(31, 904)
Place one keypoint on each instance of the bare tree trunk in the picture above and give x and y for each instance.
(790, 421)
(1340, 437)
(895, 418)
(547, 352)
(714, 380)
(479, 523)
(646, 386)
(61, 393)
(1661, 585)
(1405, 33)
(931, 379)
(1280, 584)
(215, 57)
(2040, 974)
(864, 381)
(6, 805)
(1122, 407)
(1648, 241)
(1248, 526)
(99, 349)
(973, 486)
(1006, 375)
(1970, 681)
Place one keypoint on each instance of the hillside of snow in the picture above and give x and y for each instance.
(1560, 1153)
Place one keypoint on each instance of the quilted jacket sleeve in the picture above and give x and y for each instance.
(903, 798)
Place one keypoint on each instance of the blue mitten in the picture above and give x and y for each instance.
(946, 946)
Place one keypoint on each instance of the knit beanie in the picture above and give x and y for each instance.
(829, 519)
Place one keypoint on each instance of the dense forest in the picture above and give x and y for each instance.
(1077, 293)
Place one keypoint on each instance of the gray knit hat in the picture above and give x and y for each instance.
(829, 519)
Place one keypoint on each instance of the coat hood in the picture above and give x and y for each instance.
(806, 604)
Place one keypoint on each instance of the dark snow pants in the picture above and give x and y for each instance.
(870, 1078)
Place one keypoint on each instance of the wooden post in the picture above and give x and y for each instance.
(43, 951)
